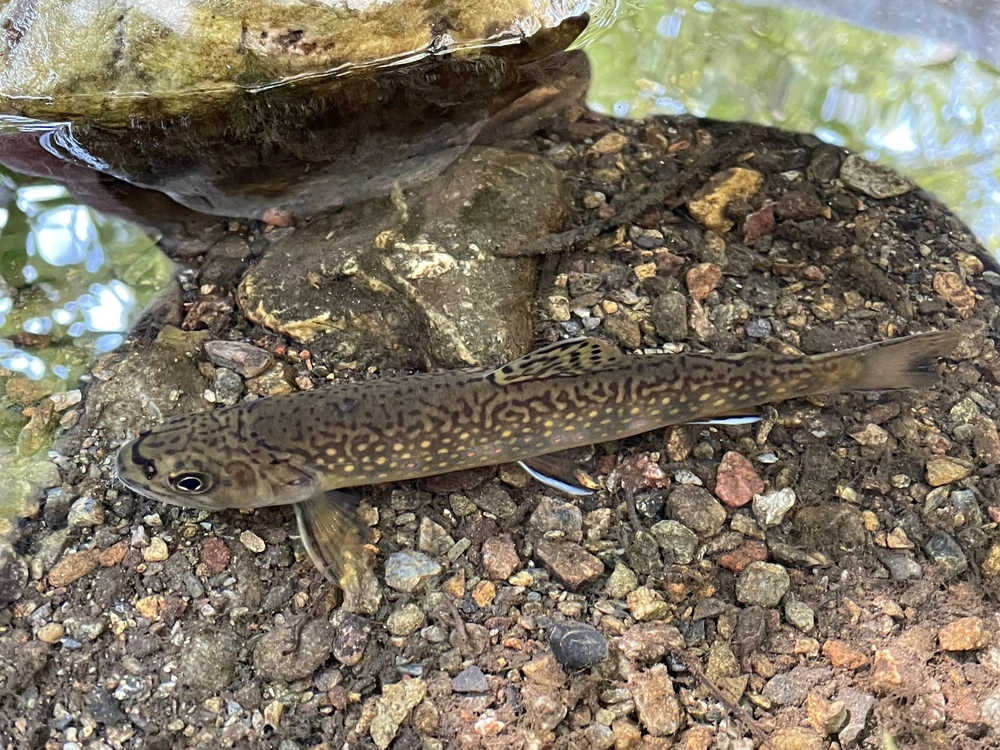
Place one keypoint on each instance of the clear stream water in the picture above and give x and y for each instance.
(76, 279)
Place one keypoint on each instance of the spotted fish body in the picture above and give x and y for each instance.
(288, 449)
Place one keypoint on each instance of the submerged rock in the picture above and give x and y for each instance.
(420, 282)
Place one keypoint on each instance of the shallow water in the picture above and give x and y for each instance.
(925, 107)
(74, 280)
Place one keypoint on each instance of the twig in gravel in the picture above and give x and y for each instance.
(733, 708)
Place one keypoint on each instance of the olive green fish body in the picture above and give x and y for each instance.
(285, 449)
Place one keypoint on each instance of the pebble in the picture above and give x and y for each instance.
(245, 359)
(901, 566)
(279, 657)
(955, 292)
(858, 706)
(470, 680)
(228, 387)
(770, 509)
(408, 570)
(405, 620)
(558, 519)
(800, 615)
(156, 551)
(252, 542)
(762, 584)
(709, 205)
(944, 550)
(625, 330)
(647, 642)
(964, 634)
(844, 656)
(760, 328)
(113, 554)
(696, 508)
(392, 707)
(495, 500)
(657, 706)
(611, 143)
(676, 540)
(85, 511)
(500, 558)
(51, 632)
(569, 563)
(214, 555)
(621, 582)
(870, 435)
(646, 604)
(594, 199)
(942, 470)
(871, 179)
(736, 482)
(350, 637)
(577, 645)
(669, 315)
(702, 279)
(275, 381)
(991, 565)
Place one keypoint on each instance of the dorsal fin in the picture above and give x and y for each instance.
(563, 359)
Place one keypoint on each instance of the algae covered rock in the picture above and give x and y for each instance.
(416, 281)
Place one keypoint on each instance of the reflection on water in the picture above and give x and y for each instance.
(72, 281)
(922, 106)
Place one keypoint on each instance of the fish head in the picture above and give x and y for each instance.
(188, 463)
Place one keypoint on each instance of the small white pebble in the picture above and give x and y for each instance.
(252, 542)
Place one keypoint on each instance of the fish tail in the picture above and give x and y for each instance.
(908, 362)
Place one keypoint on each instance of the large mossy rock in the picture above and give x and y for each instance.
(238, 108)
(95, 58)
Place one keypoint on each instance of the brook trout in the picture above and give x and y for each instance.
(298, 448)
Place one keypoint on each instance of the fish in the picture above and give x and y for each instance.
(309, 448)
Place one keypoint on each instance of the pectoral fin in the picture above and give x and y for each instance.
(332, 534)
(560, 471)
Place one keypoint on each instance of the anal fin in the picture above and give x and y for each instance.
(332, 534)
(562, 472)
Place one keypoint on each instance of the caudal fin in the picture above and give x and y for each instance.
(908, 362)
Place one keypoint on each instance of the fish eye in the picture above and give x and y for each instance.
(191, 483)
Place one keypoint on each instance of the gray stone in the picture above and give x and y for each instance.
(696, 508)
(800, 615)
(405, 620)
(558, 518)
(281, 656)
(86, 511)
(669, 315)
(873, 179)
(470, 680)
(791, 688)
(762, 584)
(676, 540)
(577, 645)
(493, 499)
(859, 707)
(244, 359)
(350, 637)
(208, 660)
(228, 387)
(944, 551)
(901, 565)
(408, 570)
